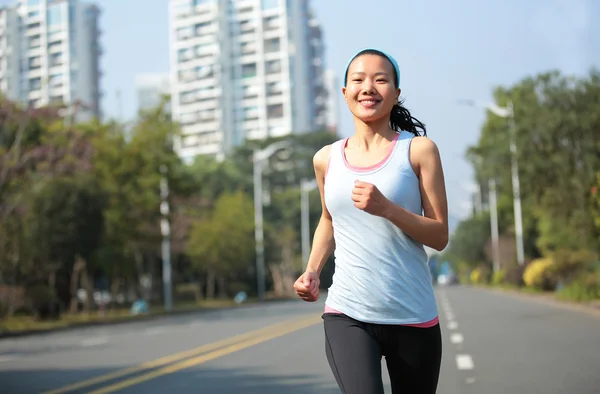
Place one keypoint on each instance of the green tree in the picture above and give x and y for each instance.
(223, 243)
(557, 135)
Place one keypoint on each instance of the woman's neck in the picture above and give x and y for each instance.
(372, 134)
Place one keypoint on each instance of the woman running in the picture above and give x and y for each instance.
(383, 198)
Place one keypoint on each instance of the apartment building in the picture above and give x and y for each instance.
(50, 52)
(150, 89)
(244, 69)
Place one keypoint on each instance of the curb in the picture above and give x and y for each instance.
(131, 319)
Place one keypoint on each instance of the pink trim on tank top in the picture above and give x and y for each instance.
(374, 166)
(427, 324)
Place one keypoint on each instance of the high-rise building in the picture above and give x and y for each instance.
(150, 89)
(333, 96)
(50, 52)
(244, 69)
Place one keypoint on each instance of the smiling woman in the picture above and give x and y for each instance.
(383, 199)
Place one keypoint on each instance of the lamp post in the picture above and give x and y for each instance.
(166, 242)
(494, 224)
(305, 187)
(508, 113)
(258, 158)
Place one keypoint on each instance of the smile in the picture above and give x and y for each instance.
(368, 103)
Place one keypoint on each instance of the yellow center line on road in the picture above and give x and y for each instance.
(208, 357)
(210, 347)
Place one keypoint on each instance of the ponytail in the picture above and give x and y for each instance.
(401, 119)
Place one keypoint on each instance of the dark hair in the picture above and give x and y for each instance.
(400, 117)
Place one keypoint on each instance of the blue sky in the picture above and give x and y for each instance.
(447, 50)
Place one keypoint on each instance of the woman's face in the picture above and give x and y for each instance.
(370, 92)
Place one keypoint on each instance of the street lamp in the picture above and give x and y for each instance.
(508, 113)
(258, 158)
(494, 224)
(166, 243)
(305, 187)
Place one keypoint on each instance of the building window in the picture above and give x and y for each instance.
(271, 23)
(187, 97)
(250, 113)
(275, 111)
(270, 4)
(35, 63)
(272, 45)
(249, 70)
(184, 55)
(274, 89)
(183, 33)
(202, 28)
(35, 42)
(56, 59)
(273, 67)
(56, 80)
(188, 118)
(204, 71)
(55, 15)
(250, 91)
(33, 3)
(248, 48)
(35, 84)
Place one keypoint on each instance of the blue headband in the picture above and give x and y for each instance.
(390, 58)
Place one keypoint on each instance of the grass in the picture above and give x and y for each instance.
(16, 324)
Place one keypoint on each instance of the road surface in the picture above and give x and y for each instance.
(494, 343)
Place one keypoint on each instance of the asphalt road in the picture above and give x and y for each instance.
(493, 343)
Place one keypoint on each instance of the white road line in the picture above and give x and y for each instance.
(93, 342)
(456, 338)
(464, 361)
(470, 380)
(452, 325)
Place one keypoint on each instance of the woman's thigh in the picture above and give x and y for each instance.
(354, 355)
(413, 358)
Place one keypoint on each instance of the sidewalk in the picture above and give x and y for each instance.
(65, 324)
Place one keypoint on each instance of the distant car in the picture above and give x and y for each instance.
(447, 280)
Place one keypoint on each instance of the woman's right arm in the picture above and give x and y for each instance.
(323, 242)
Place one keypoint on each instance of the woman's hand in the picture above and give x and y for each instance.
(368, 198)
(307, 286)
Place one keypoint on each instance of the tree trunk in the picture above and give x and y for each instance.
(222, 287)
(277, 279)
(52, 300)
(89, 290)
(210, 285)
(77, 267)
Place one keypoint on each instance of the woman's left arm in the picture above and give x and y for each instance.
(431, 228)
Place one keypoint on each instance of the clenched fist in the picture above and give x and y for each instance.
(307, 286)
(368, 198)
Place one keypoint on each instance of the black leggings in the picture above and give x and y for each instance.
(354, 350)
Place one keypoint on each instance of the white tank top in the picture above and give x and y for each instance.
(381, 274)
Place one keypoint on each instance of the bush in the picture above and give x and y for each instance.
(498, 277)
(43, 302)
(572, 263)
(539, 274)
(481, 275)
(583, 288)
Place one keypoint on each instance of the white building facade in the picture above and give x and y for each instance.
(49, 54)
(244, 69)
(150, 89)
